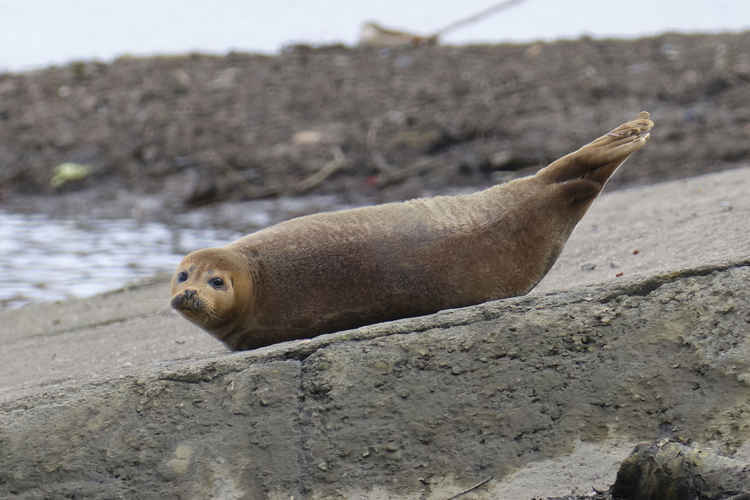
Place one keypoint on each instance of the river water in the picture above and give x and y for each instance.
(47, 258)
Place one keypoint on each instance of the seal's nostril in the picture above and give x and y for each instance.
(189, 294)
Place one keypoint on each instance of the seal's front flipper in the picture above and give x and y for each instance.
(598, 160)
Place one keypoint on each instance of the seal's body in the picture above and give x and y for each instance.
(332, 271)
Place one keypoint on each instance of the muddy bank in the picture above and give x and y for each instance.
(367, 124)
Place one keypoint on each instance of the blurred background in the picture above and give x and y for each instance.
(132, 133)
(38, 32)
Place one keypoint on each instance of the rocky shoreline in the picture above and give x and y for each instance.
(368, 125)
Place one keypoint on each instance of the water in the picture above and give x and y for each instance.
(46, 259)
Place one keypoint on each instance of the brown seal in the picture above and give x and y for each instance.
(332, 271)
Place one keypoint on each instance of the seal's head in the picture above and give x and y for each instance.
(212, 288)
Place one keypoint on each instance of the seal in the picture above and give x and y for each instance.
(332, 271)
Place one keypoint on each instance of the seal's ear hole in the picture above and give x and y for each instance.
(182, 276)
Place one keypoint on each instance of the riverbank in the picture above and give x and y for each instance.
(637, 333)
(161, 136)
(546, 394)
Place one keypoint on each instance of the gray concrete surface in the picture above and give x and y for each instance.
(116, 395)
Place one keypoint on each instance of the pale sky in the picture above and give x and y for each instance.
(40, 32)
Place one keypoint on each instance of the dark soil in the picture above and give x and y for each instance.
(367, 124)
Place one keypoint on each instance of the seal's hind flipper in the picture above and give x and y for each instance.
(599, 159)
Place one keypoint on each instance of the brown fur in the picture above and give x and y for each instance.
(332, 271)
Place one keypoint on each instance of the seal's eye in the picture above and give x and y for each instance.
(216, 282)
(182, 276)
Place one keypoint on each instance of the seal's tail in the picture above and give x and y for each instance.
(598, 160)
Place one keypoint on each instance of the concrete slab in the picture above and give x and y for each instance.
(674, 225)
(418, 408)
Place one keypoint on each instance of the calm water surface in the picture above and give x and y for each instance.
(45, 259)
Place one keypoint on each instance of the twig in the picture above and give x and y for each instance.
(395, 176)
(377, 157)
(382, 164)
(372, 131)
(376, 35)
(476, 17)
(313, 181)
(338, 162)
(476, 486)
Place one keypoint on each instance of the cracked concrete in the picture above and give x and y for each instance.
(115, 396)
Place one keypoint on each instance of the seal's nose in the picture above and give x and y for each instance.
(182, 300)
